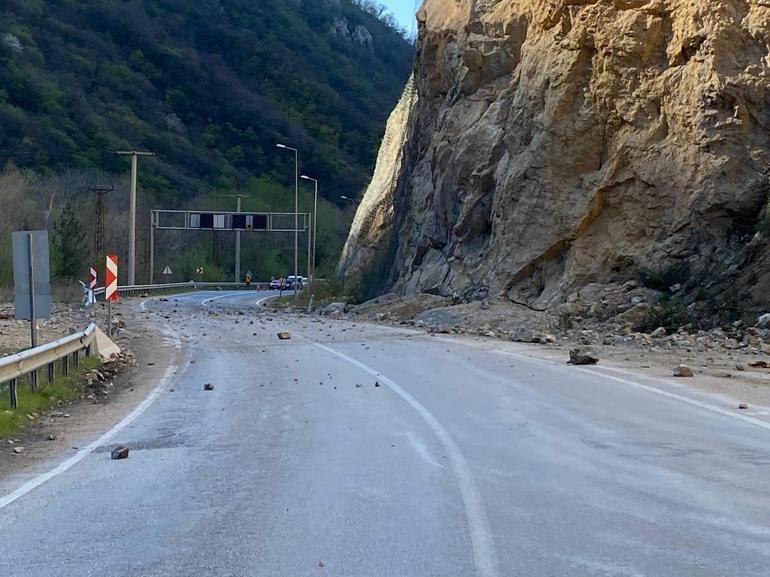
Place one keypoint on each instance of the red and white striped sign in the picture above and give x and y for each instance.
(92, 278)
(111, 278)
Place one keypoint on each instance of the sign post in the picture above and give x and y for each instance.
(111, 288)
(167, 272)
(31, 280)
(31, 277)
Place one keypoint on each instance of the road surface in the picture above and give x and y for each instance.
(358, 450)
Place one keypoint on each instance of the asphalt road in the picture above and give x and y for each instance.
(355, 450)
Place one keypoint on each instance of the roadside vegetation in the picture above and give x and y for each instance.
(211, 89)
(62, 390)
(322, 293)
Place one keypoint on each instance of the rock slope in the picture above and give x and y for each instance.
(551, 144)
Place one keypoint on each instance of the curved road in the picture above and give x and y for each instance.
(358, 450)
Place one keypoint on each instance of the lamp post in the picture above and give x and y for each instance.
(134, 154)
(315, 221)
(296, 212)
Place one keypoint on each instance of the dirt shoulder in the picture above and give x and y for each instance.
(73, 425)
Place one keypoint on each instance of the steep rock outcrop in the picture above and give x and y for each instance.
(554, 143)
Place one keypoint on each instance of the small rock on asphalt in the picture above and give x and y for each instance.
(18, 450)
(208, 387)
(743, 406)
(118, 453)
(52, 437)
(284, 336)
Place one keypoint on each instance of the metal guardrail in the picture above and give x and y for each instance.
(182, 286)
(15, 366)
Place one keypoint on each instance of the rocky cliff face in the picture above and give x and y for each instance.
(554, 143)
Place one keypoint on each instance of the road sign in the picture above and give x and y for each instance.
(199, 270)
(92, 278)
(167, 271)
(111, 278)
(31, 276)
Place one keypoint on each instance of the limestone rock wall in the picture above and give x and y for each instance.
(555, 143)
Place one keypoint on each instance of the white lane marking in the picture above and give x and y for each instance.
(87, 450)
(649, 388)
(263, 299)
(232, 294)
(484, 556)
(656, 390)
(142, 304)
(208, 300)
(684, 399)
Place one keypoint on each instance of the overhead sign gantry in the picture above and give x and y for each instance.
(218, 220)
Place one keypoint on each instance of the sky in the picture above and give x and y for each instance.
(403, 10)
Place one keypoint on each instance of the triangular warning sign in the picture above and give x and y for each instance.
(168, 270)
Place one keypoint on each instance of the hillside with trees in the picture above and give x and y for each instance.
(209, 86)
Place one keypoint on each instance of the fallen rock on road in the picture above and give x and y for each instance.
(582, 357)
(118, 453)
(683, 371)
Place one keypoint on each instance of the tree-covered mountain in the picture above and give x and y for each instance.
(210, 86)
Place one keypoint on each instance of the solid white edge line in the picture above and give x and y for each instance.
(684, 399)
(649, 388)
(484, 556)
(90, 448)
(208, 300)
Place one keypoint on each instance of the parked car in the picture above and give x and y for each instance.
(299, 280)
(275, 284)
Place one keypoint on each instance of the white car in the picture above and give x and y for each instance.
(302, 280)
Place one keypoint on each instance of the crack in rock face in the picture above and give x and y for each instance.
(545, 145)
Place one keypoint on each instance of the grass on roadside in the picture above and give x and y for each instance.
(62, 388)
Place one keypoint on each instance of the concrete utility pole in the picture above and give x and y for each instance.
(152, 247)
(238, 247)
(296, 213)
(315, 223)
(134, 154)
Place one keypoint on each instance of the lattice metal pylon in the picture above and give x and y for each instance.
(99, 240)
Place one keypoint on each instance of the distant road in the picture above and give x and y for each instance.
(361, 451)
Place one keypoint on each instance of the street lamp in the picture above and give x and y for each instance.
(134, 154)
(315, 219)
(296, 212)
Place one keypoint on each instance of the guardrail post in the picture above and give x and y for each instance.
(88, 350)
(76, 359)
(14, 396)
(65, 365)
(33, 380)
(51, 372)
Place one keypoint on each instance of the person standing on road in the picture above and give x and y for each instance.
(248, 280)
